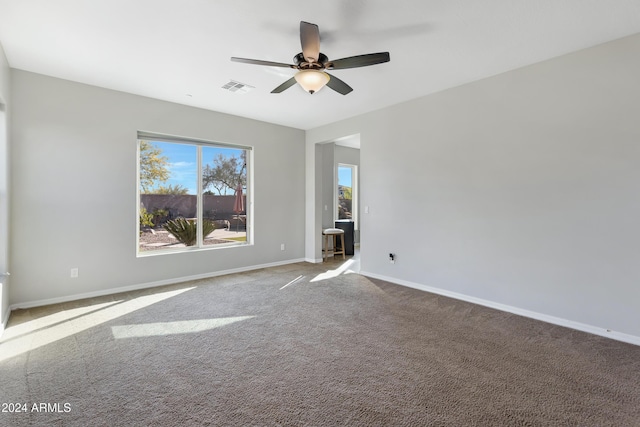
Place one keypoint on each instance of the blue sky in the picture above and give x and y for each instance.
(344, 176)
(183, 162)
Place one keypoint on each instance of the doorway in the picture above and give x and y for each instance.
(346, 183)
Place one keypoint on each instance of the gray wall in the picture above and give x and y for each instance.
(520, 190)
(74, 146)
(4, 187)
(347, 155)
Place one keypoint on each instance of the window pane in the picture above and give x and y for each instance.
(168, 195)
(345, 196)
(224, 186)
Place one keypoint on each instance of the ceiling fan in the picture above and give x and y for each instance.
(311, 64)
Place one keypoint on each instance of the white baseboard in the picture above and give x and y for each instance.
(607, 333)
(313, 261)
(39, 303)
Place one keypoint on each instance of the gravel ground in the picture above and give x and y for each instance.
(160, 239)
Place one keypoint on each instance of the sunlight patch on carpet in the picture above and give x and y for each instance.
(173, 328)
(330, 274)
(31, 326)
(292, 282)
(74, 323)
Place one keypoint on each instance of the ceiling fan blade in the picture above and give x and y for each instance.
(338, 85)
(310, 41)
(359, 61)
(260, 62)
(284, 86)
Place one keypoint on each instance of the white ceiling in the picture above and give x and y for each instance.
(179, 50)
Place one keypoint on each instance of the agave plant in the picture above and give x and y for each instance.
(186, 231)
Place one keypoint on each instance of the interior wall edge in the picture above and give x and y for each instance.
(5, 321)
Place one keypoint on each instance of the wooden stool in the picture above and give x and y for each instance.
(334, 232)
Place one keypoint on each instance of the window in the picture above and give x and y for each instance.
(191, 194)
(346, 204)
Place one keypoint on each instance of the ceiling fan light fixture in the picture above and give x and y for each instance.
(312, 80)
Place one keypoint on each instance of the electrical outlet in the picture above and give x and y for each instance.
(74, 273)
(282, 246)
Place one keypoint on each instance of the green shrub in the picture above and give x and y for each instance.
(185, 231)
(146, 219)
(159, 215)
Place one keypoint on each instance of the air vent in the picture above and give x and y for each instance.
(234, 86)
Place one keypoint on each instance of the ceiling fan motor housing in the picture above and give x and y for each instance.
(302, 63)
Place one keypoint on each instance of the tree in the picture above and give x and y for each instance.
(154, 167)
(226, 173)
(176, 190)
(345, 193)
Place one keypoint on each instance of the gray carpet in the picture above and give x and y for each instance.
(254, 349)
